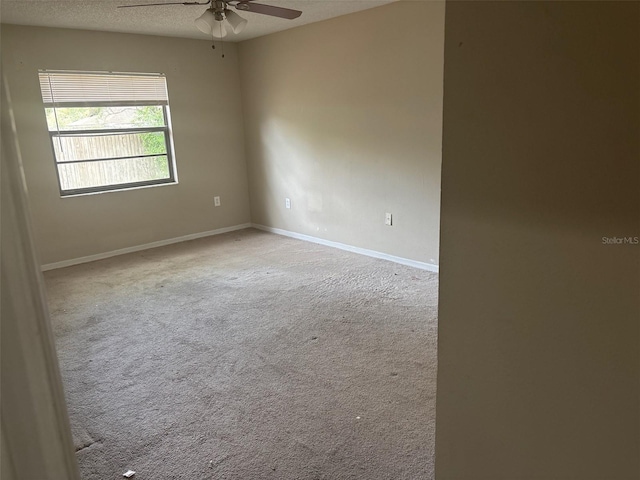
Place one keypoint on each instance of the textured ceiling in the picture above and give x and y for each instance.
(170, 20)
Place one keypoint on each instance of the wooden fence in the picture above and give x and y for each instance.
(107, 172)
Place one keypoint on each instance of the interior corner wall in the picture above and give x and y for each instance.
(206, 113)
(344, 118)
(539, 311)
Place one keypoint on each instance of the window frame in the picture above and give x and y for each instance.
(61, 133)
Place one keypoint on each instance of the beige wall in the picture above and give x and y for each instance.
(344, 117)
(207, 131)
(539, 321)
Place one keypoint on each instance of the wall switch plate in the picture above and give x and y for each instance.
(287, 203)
(387, 219)
(216, 201)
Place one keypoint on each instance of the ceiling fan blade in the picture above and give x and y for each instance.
(160, 4)
(249, 6)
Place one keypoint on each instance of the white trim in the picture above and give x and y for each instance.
(349, 248)
(137, 248)
(115, 190)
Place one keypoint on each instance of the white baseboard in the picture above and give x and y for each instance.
(308, 238)
(349, 248)
(137, 248)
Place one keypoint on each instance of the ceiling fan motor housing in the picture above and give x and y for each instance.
(218, 7)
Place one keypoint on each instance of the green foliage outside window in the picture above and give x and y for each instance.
(153, 143)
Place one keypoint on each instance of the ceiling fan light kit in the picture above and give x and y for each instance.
(206, 22)
(236, 21)
(212, 20)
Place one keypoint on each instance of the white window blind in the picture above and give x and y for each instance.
(73, 89)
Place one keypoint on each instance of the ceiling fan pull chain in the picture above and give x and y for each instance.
(213, 45)
(221, 41)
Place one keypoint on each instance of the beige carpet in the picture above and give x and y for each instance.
(248, 356)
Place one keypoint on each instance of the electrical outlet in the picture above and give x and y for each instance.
(287, 203)
(216, 201)
(387, 219)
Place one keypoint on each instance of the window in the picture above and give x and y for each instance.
(108, 130)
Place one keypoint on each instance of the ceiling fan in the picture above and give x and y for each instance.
(212, 21)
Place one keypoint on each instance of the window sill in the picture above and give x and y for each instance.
(116, 190)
